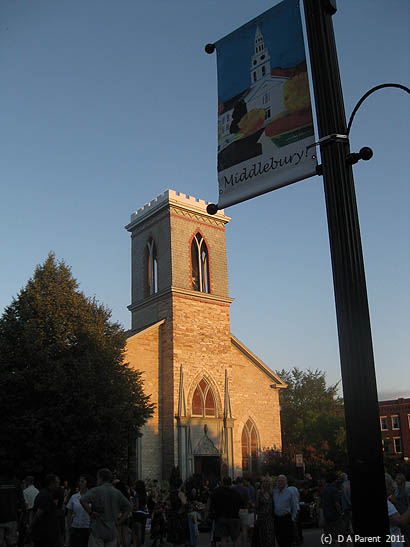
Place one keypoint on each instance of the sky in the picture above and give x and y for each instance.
(105, 104)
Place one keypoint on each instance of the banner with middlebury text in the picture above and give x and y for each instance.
(265, 122)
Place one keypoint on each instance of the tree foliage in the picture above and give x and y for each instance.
(68, 402)
(312, 419)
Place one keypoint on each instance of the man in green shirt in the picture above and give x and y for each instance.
(108, 509)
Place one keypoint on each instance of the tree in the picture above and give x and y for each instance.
(312, 419)
(69, 403)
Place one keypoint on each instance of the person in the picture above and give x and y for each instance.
(158, 525)
(30, 493)
(400, 500)
(243, 511)
(225, 505)
(12, 505)
(77, 519)
(205, 493)
(285, 512)
(193, 521)
(251, 489)
(251, 521)
(332, 507)
(177, 516)
(123, 530)
(108, 509)
(139, 513)
(265, 526)
(45, 524)
(59, 497)
(346, 503)
(297, 527)
(396, 520)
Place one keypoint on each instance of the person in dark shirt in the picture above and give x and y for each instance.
(332, 508)
(45, 525)
(225, 505)
(12, 504)
(243, 511)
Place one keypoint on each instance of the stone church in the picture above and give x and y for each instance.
(216, 402)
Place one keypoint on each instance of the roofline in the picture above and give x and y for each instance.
(279, 383)
(131, 333)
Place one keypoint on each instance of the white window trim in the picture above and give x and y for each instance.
(394, 445)
(392, 423)
(381, 423)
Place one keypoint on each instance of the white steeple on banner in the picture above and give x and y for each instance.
(265, 122)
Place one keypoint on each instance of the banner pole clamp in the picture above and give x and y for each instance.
(335, 137)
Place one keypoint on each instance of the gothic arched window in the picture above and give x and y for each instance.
(151, 268)
(200, 264)
(203, 400)
(249, 442)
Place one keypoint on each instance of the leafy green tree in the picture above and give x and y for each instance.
(312, 419)
(68, 403)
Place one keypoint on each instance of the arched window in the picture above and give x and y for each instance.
(151, 268)
(200, 264)
(203, 400)
(249, 447)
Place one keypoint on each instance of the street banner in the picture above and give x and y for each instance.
(265, 123)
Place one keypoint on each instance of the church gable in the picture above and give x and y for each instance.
(142, 353)
(252, 358)
(255, 397)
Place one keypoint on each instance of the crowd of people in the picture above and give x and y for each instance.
(109, 512)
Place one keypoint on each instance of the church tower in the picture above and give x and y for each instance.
(216, 403)
(260, 60)
(180, 295)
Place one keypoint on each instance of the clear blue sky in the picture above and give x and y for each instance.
(105, 104)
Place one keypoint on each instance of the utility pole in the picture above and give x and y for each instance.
(370, 518)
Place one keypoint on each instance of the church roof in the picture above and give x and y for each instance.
(279, 383)
(144, 329)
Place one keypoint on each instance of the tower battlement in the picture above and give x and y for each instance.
(172, 197)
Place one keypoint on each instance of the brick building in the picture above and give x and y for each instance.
(216, 403)
(395, 426)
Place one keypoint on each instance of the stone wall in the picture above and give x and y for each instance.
(252, 397)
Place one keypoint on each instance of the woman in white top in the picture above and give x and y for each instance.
(78, 519)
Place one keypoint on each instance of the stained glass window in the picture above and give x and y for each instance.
(203, 400)
(249, 447)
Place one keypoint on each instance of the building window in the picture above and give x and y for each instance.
(249, 448)
(151, 268)
(200, 264)
(383, 423)
(266, 98)
(263, 70)
(254, 76)
(395, 422)
(203, 400)
(397, 445)
(267, 114)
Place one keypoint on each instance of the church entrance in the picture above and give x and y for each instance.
(209, 467)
